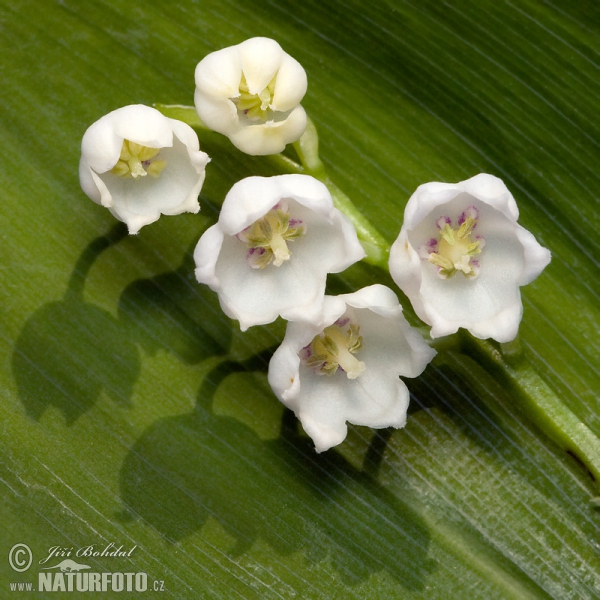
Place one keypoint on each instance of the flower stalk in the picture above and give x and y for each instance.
(538, 402)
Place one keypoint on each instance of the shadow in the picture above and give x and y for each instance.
(201, 468)
(70, 350)
(173, 312)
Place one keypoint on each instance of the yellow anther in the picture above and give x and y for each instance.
(154, 168)
(121, 169)
(466, 228)
(147, 153)
(455, 249)
(255, 107)
(136, 161)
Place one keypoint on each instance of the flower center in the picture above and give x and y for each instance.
(137, 161)
(255, 107)
(456, 246)
(267, 238)
(333, 349)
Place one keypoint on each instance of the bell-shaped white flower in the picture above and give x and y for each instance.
(271, 250)
(251, 93)
(344, 366)
(140, 164)
(461, 258)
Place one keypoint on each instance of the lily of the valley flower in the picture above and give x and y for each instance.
(344, 365)
(461, 258)
(140, 164)
(271, 250)
(251, 93)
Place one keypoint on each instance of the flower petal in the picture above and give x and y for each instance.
(291, 84)
(270, 137)
(219, 73)
(261, 58)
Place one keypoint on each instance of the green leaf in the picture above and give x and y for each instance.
(135, 413)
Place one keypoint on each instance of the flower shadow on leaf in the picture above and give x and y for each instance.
(172, 312)
(70, 350)
(187, 469)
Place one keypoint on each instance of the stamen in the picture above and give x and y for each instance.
(136, 161)
(268, 238)
(333, 350)
(456, 247)
(256, 107)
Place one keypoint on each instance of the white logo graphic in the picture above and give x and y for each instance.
(68, 566)
(20, 557)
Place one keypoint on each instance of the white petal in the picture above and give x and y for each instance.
(218, 74)
(464, 302)
(217, 114)
(252, 197)
(258, 296)
(261, 58)
(537, 258)
(270, 137)
(283, 377)
(101, 146)
(405, 268)
(492, 191)
(503, 326)
(398, 347)
(143, 125)
(428, 197)
(328, 402)
(290, 85)
(293, 290)
(91, 184)
(139, 202)
(206, 255)
(377, 298)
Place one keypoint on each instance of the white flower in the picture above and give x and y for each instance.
(139, 164)
(461, 257)
(271, 250)
(345, 365)
(251, 93)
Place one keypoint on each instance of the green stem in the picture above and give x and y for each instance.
(374, 244)
(187, 114)
(536, 399)
(538, 402)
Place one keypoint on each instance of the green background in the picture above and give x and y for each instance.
(134, 412)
